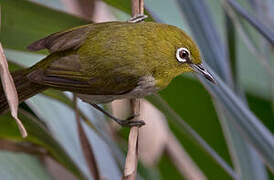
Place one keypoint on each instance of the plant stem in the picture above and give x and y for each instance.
(130, 169)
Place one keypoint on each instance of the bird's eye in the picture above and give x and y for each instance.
(182, 55)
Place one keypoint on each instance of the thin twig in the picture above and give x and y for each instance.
(86, 146)
(82, 8)
(87, 8)
(10, 91)
(134, 7)
(141, 7)
(130, 170)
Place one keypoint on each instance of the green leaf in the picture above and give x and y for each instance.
(191, 133)
(61, 121)
(264, 30)
(205, 33)
(214, 51)
(254, 53)
(244, 162)
(246, 159)
(254, 131)
(61, 108)
(93, 118)
(21, 166)
(24, 22)
(37, 134)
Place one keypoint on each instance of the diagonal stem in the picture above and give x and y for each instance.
(85, 144)
(130, 169)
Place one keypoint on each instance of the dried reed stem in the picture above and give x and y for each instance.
(130, 169)
(85, 144)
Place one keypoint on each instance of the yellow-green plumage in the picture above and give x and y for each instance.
(111, 60)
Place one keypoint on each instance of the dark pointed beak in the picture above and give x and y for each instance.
(199, 68)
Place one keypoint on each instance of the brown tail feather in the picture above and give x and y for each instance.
(24, 87)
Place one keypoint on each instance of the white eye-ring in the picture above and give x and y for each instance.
(182, 55)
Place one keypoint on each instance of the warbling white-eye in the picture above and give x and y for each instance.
(107, 61)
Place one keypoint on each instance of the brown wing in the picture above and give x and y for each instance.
(61, 41)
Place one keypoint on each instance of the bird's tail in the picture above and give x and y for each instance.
(25, 89)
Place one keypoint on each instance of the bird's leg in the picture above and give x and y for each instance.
(125, 123)
(137, 18)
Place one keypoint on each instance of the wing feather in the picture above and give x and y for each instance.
(64, 72)
(68, 39)
(63, 69)
(61, 41)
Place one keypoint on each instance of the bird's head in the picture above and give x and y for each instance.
(185, 54)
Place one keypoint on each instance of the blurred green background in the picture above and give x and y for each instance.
(234, 118)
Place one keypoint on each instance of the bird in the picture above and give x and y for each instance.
(102, 62)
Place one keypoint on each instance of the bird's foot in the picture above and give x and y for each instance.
(125, 123)
(130, 123)
(137, 18)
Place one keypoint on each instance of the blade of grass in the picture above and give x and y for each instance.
(206, 35)
(39, 135)
(86, 146)
(247, 123)
(243, 163)
(239, 155)
(22, 166)
(182, 160)
(209, 50)
(84, 109)
(184, 127)
(25, 21)
(232, 47)
(248, 40)
(264, 30)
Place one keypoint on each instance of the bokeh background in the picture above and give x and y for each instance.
(194, 130)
